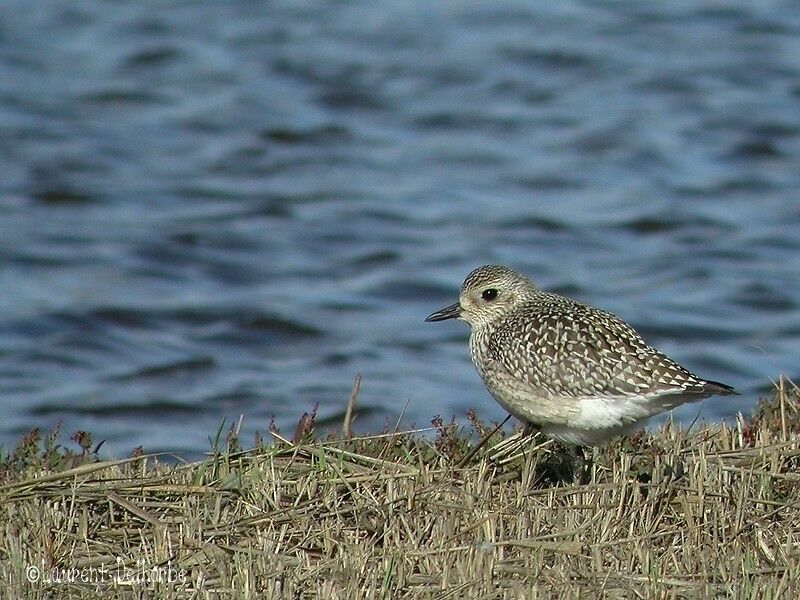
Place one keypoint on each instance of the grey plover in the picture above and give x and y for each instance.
(579, 374)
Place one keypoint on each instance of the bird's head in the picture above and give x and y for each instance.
(487, 295)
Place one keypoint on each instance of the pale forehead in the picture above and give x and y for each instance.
(488, 274)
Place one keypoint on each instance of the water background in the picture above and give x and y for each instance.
(211, 209)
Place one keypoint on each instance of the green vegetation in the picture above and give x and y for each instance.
(709, 513)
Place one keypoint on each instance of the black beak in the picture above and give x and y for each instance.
(451, 312)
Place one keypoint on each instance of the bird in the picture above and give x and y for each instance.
(579, 374)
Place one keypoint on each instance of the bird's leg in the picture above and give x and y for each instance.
(584, 461)
(569, 464)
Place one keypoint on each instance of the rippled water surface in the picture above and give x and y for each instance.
(210, 209)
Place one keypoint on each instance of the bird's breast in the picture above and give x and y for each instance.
(479, 348)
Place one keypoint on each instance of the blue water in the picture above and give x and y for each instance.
(213, 209)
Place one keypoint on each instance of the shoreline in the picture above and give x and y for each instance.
(711, 511)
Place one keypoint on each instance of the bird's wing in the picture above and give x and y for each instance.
(585, 353)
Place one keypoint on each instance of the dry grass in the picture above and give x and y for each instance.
(714, 513)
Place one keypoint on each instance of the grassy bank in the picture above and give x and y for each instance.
(709, 513)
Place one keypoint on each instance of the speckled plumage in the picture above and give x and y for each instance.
(580, 374)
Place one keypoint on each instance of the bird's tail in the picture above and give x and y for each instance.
(720, 389)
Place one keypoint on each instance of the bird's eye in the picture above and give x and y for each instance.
(489, 294)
